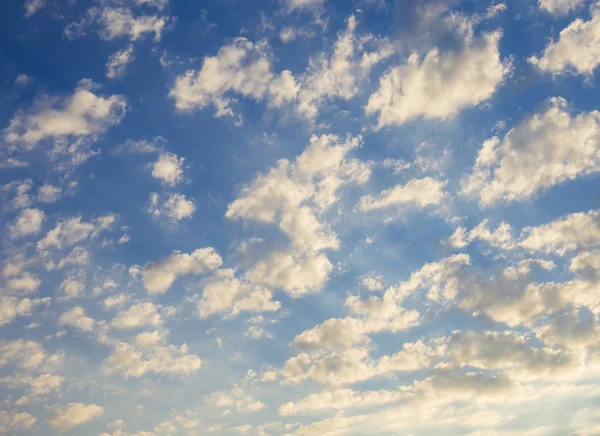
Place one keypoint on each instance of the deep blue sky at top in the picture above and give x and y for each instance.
(221, 156)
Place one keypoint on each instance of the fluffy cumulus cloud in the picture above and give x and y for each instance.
(236, 399)
(75, 414)
(550, 147)
(500, 237)
(418, 193)
(576, 49)
(77, 318)
(175, 207)
(559, 7)
(49, 193)
(291, 195)
(13, 307)
(338, 75)
(168, 169)
(32, 6)
(159, 276)
(29, 222)
(245, 68)
(572, 232)
(120, 22)
(225, 293)
(138, 315)
(354, 365)
(116, 66)
(148, 353)
(81, 116)
(242, 68)
(293, 5)
(439, 84)
(73, 230)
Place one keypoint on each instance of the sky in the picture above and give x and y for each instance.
(299, 217)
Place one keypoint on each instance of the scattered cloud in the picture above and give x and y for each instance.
(116, 67)
(159, 276)
(548, 148)
(75, 414)
(576, 49)
(176, 207)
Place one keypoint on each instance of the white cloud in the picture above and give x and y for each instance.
(372, 283)
(440, 84)
(116, 301)
(418, 193)
(576, 231)
(28, 355)
(76, 317)
(290, 193)
(73, 285)
(25, 282)
(32, 6)
(77, 256)
(156, 145)
(73, 230)
(151, 356)
(48, 193)
(138, 315)
(81, 116)
(16, 421)
(377, 316)
(20, 189)
(577, 49)
(287, 34)
(338, 76)
(293, 5)
(374, 315)
(256, 332)
(158, 4)
(29, 222)
(241, 67)
(12, 162)
(510, 352)
(339, 399)
(439, 279)
(546, 149)
(120, 22)
(236, 399)
(176, 207)
(168, 168)
(13, 307)
(295, 275)
(560, 7)
(159, 276)
(23, 79)
(75, 414)
(39, 385)
(501, 237)
(574, 329)
(354, 365)
(512, 297)
(116, 67)
(225, 293)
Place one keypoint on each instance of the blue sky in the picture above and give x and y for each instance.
(299, 217)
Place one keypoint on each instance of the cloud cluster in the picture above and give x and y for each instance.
(291, 195)
(543, 150)
(241, 67)
(159, 276)
(440, 84)
(80, 117)
(577, 47)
